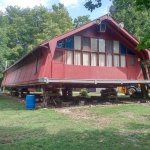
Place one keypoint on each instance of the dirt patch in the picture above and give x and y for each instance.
(77, 113)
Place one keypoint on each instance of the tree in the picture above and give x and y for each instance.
(93, 4)
(142, 4)
(81, 20)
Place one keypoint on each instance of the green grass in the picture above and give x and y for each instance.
(115, 127)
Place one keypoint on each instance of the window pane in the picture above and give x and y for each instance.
(116, 61)
(78, 58)
(130, 52)
(123, 61)
(132, 61)
(94, 44)
(58, 56)
(69, 57)
(101, 45)
(77, 42)
(101, 59)
(116, 47)
(122, 49)
(60, 44)
(69, 42)
(94, 59)
(108, 46)
(86, 59)
(86, 43)
(109, 60)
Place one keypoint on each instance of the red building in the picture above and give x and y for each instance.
(101, 53)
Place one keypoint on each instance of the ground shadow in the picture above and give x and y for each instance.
(71, 139)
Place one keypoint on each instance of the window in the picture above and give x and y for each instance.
(123, 61)
(101, 59)
(69, 42)
(108, 46)
(78, 58)
(77, 42)
(94, 44)
(58, 56)
(60, 44)
(69, 57)
(102, 52)
(94, 59)
(86, 59)
(101, 45)
(122, 49)
(131, 61)
(116, 61)
(116, 47)
(130, 52)
(109, 60)
(86, 43)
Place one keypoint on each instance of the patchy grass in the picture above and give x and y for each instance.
(112, 127)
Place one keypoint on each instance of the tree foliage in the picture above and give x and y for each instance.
(142, 4)
(92, 4)
(81, 20)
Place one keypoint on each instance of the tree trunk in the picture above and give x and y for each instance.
(144, 90)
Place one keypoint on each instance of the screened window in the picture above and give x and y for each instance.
(101, 45)
(77, 42)
(69, 42)
(123, 61)
(109, 60)
(58, 56)
(109, 46)
(116, 61)
(116, 47)
(94, 59)
(86, 59)
(78, 58)
(101, 59)
(94, 46)
(86, 43)
(69, 57)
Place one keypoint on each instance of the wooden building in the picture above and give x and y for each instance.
(101, 53)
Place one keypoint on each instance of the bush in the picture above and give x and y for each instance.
(83, 92)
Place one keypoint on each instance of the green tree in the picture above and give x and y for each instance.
(81, 20)
(142, 4)
(93, 4)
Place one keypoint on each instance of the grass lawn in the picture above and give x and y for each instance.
(110, 127)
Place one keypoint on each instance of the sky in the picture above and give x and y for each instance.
(75, 7)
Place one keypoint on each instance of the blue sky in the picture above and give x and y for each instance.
(75, 7)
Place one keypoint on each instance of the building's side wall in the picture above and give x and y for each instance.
(29, 72)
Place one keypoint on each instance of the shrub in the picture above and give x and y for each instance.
(83, 92)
